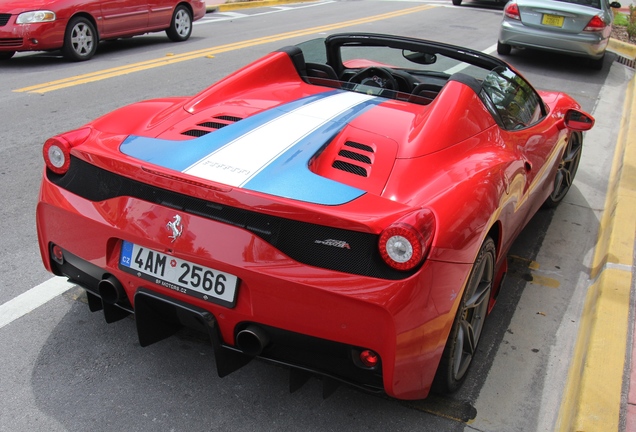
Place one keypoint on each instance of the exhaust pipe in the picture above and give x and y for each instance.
(110, 290)
(252, 340)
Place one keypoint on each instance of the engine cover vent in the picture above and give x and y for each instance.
(354, 158)
(206, 127)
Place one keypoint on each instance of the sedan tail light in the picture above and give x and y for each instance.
(595, 24)
(57, 150)
(512, 11)
(405, 243)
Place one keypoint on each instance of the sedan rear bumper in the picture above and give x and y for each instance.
(590, 45)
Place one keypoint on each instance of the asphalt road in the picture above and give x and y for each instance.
(63, 368)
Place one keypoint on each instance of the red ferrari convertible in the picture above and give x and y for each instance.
(343, 207)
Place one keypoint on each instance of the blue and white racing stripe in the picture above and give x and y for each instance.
(268, 152)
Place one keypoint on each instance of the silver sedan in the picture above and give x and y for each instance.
(576, 27)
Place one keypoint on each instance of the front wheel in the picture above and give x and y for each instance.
(567, 170)
(457, 2)
(181, 24)
(461, 345)
(80, 39)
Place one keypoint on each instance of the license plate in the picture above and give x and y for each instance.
(179, 275)
(552, 20)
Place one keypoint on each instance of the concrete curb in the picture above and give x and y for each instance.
(592, 397)
(622, 48)
(225, 7)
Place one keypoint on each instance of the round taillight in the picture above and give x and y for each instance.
(369, 358)
(57, 155)
(401, 247)
(404, 244)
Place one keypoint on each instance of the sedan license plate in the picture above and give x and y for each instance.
(179, 275)
(552, 20)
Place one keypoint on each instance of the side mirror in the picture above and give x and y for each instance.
(576, 120)
(615, 5)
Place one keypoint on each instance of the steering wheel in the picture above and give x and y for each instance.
(375, 76)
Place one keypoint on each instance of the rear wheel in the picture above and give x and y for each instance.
(181, 24)
(6, 55)
(80, 39)
(457, 2)
(469, 322)
(503, 49)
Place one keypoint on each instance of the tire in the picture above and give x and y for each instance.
(457, 2)
(503, 49)
(567, 170)
(461, 345)
(181, 24)
(6, 55)
(80, 39)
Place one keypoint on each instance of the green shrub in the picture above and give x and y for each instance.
(621, 20)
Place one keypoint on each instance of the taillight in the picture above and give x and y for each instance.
(512, 11)
(595, 24)
(405, 243)
(57, 155)
(57, 150)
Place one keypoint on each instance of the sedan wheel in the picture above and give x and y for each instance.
(80, 39)
(503, 49)
(181, 25)
(469, 322)
(567, 170)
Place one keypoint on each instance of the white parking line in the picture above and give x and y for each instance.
(32, 299)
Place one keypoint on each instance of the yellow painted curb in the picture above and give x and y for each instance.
(225, 7)
(622, 48)
(592, 397)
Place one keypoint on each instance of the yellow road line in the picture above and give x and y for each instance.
(149, 64)
(592, 397)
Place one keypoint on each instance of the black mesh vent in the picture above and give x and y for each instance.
(349, 167)
(195, 132)
(213, 125)
(210, 126)
(228, 118)
(4, 19)
(355, 156)
(359, 146)
(321, 246)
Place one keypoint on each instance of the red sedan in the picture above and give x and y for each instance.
(77, 26)
(343, 207)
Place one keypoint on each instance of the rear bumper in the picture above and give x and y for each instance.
(591, 45)
(317, 319)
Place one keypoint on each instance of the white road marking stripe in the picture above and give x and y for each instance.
(32, 299)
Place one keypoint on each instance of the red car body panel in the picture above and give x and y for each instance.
(420, 158)
(112, 19)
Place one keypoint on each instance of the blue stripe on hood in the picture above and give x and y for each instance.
(287, 176)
